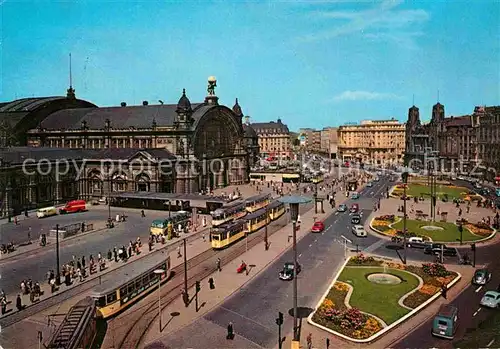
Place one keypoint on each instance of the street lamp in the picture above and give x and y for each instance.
(109, 193)
(58, 276)
(404, 176)
(169, 203)
(159, 272)
(294, 202)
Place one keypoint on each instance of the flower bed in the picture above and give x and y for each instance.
(351, 322)
(358, 323)
(434, 276)
(481, 229)
(363, 260)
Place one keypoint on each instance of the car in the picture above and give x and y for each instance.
(435, 248)
(491, 299)
(418, 242)
(317, 227)
(287, 272)
(356, 219)
(376, 179)
(369, 184)
(481, 277)
(355, 195)
(342, 208)
(359, 230)
(354, 208)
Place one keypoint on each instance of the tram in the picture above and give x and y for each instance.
(230, 213)
(257, 202)
(160, 226)
(130, 283)
(229, 233)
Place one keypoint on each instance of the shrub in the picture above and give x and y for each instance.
(434, 269)
(361, 259)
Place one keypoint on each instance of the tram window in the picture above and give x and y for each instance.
(145, 279)
(216, 237)
(138, 284)
(130, 288)
(123, 291)
(100, 302)
(110, 298)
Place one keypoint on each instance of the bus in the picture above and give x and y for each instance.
(257, 202)
(226, 214)
(160, 226)
(130, 283)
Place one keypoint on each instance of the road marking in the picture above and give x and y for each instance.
(479, 289)
(374, 246)
(477, 311)
(490, 343)
(300, 254)
(310, 245)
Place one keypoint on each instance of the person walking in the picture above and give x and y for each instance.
(19, 303)
(179, 254)
(218, 265)
(309, 341)
(230, 331)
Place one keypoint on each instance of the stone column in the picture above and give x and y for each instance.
(58, 194)
(31, 189)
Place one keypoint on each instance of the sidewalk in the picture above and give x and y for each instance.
(227, 281)
(46, 293)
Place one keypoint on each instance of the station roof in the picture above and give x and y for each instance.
(144, 195)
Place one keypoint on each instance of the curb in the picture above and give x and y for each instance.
(451, 243)
(385, 329)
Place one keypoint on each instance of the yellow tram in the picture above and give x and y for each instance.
(257, 202)
(130, 283)
(229, 233)
(230, 213)
(226, 234)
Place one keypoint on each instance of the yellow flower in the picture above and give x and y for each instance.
(339, 286)
(429, 289)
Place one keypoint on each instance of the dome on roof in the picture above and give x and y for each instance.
(184, 105)
(237, 109)
(249, 132)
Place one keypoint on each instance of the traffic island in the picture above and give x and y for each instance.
(443, 192)
(392, 226)
(369, 296)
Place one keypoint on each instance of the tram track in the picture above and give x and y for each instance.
(199, 267)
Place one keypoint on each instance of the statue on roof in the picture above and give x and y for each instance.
(212, 84)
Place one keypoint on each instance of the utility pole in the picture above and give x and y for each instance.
(279, 322)
(58, 275)
(346, 240)
(266, 242)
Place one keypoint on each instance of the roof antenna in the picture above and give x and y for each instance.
(71, 91)
(413, 99)
(438, 96)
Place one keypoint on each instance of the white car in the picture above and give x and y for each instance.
(359, 230)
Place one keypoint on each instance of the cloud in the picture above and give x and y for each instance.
(384, 20)
(364, 96)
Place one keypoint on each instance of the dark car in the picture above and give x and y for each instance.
(481, 277)
(287, 272)
(342, 208)
(356, 219)
(437, 248)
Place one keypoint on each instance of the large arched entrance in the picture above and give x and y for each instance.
(217, 140)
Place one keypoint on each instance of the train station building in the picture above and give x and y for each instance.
(181, 148)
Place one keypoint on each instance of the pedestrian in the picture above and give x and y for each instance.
(115, 254)
(230, 331)
(83, 262)
(204, 221)
(218, 265)
(19, 303)
(142, 213)
(179, 254)
(4, 305)
(29, 235)
(328, 343)
(203, 236)
(309, 341)
(110, 255)
(444, 291)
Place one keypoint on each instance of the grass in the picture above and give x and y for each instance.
(422, 189)
(379, 300)
(449, 233)
(481, 336)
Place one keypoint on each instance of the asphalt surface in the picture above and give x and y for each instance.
(35, 264)
(470, 313)
(254, 308)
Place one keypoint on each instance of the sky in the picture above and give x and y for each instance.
(309, 63)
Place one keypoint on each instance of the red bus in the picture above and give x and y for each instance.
(74, 206)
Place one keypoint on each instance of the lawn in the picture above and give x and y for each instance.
(379, 300)
(449, 233)
(422, 189)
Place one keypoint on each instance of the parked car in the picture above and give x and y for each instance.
(317, 227)
(435, 248)
(359, 230)
(342, 208)
(369, 184)
(491, 299)
(356, 219)
(481, 277)
(287, 272)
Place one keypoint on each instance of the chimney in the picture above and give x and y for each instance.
(123, 104)
(145, 103)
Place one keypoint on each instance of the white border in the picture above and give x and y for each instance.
(385, 329)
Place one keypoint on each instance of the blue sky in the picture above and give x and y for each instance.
(312, 64)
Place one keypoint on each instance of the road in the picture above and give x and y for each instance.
(35, 265)
(254, 308)
(470, 313)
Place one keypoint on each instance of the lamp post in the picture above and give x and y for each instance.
(109, 193)
(266, 242)
(58, 276)
(159, 272)
(294, 202)
(404, 176)
(169, 203)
